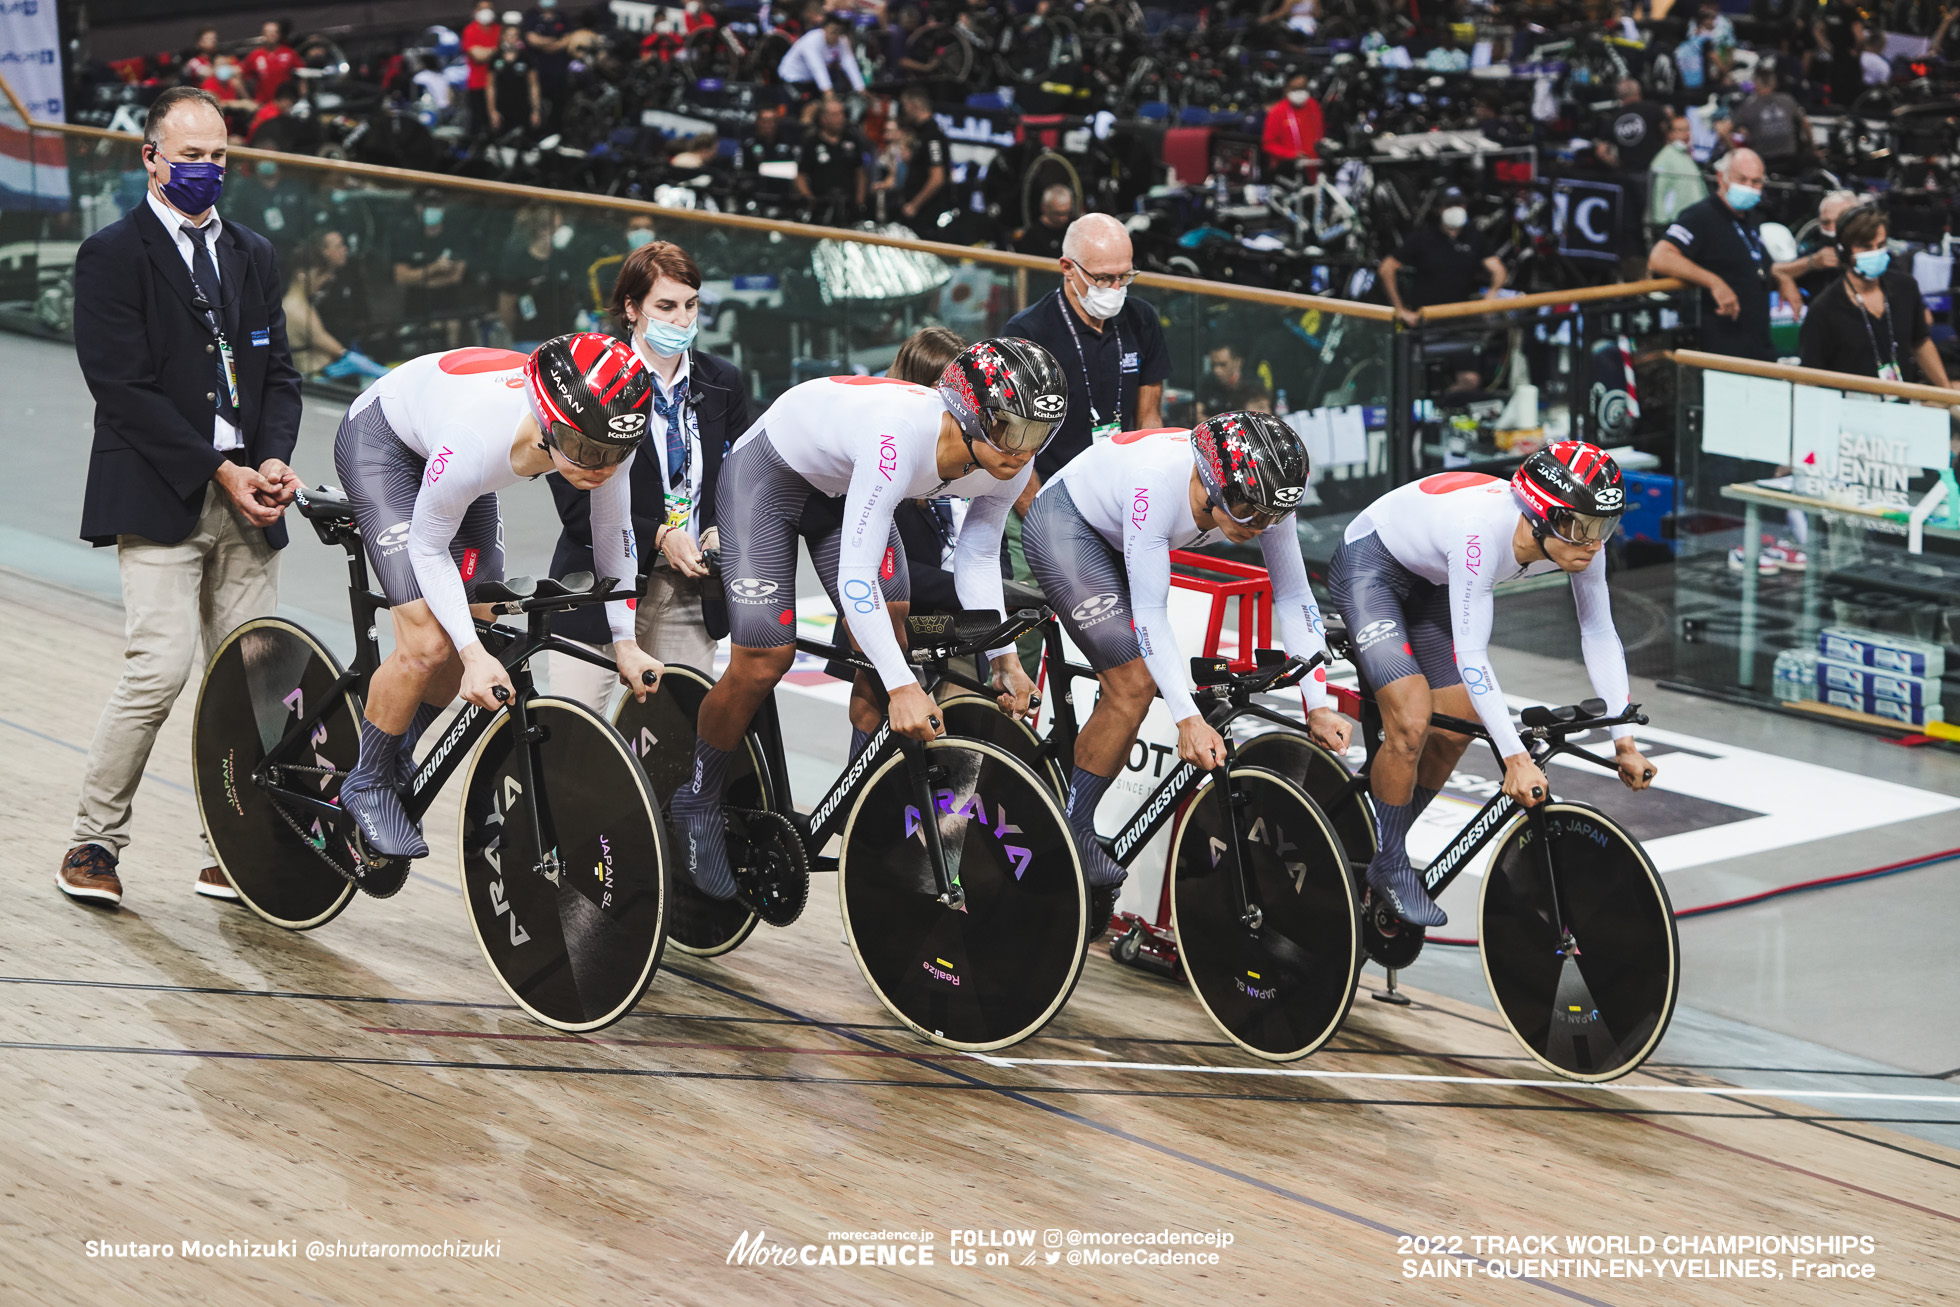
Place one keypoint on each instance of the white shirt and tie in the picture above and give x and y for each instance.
(657, 434)
(224, 435)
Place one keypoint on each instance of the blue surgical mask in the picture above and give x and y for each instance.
(1871, 264)
(194, 187)
(666, 339)
(1742, 198)
(637, 237)
(432, 216)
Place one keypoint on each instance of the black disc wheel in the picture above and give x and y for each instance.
(1280, 985)
(996, 972)
(572, 930)
(290, 863)
(1325, 776)
(1591, 1003)
(660, 733)
(974, 717)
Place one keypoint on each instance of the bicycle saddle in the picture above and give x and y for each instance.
(1337, 635)
(324, 504)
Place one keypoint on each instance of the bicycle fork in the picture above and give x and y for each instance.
(1250, 913)
(526, 736)
(923, 774)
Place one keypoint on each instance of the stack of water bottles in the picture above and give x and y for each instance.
(1871, 672)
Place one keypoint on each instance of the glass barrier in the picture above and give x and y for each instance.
(1800, 576)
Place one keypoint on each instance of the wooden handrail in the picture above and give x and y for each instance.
(1695, 358)
(541, 195)
(14, 100)
(1584, 295)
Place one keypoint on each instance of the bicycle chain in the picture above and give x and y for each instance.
(371, 885)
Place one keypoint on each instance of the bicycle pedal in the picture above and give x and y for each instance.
(374, 875)
(770, 862)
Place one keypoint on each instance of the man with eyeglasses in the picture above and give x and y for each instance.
(422, 455)
(1413, 578)
(876, 441)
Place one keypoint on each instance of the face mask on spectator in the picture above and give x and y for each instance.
(561, 237)
(666, 339)
(1455, 217)
(1742, 198)
(637, 237)
(1298, 97)
(194, 187)
(268, 169)
(1103, 302)
(226, 71)
(485, 17)
(1871, 264)
(547, 5)
(432, 216)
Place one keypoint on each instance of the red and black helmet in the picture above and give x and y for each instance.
(1573, 490)
(591, 395)
(1008, 392)
(1253, 465)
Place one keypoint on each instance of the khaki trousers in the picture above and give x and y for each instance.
(177, 599)
(667, 624)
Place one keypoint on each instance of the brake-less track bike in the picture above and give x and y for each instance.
(563, 848)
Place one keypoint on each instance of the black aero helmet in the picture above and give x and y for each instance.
(1008, 392)
(1573, 490)
(1253, 466)
(590, 394)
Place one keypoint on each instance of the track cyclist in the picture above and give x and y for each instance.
(1099, 540)
(1413, 578)
(877, 441)
(422, 455)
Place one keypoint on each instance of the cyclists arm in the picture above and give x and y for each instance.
(1147, 563)
(1470, 620)
(1301, 632)
(1606, 659)
(976, 554)
(868, 505)
(613, 549)
(449, 486)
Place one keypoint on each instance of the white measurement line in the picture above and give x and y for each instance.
(1409, 1077)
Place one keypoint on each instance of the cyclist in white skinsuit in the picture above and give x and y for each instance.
(877, 442)
(1099, 540)
(421, 456)
(1413, 579)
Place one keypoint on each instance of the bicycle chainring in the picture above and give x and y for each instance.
(770, 862)
(1385, 937)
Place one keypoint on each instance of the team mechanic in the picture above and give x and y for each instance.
(1413, 578)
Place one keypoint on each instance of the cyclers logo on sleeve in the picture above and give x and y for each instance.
(751, 590)
(1373, 633)
(1477, 679)
(862, 594)
(1094, 609)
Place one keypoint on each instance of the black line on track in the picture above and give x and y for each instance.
(1116, 1132)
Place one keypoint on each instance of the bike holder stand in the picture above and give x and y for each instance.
(1391, 994)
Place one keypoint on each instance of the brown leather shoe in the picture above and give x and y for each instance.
(212, 884)
(88, 873)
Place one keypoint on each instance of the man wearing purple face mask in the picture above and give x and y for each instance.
(181, 338)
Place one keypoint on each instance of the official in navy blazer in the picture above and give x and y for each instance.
(180, 336)
(701, 407)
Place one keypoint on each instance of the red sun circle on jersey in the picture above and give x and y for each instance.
(469, 362)
(1444, 482)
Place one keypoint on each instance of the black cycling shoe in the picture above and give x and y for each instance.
(383, 822)
(1401, 888)
(701, 839)
(1102, 907)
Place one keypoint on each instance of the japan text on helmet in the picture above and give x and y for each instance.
(1573, 490)
(1008, 392)
(1253, 466)
(590, 394)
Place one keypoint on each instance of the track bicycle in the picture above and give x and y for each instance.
(958, 879)
(563, 848)
(1574, 926)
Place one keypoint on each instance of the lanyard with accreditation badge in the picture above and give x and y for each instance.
(1100, 428)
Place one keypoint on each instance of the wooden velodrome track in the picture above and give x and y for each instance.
(179, 1070)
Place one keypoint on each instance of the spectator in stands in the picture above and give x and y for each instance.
(1697, 65)
(927, 190)
(538, 278)
(1250, 396)
(432, 85)
(227, 83)
(1819, 245)
(1301, 16)
(604, 270)
(270, 64)
(515, 93)
(1224, 374)
(273, 126)
(1110, 343)
(767, 146)
(1674, 182)
(807, 66)
(898, 44)
(430, 267)
(1636, 130)
(1043, 237)
(830, 173)
(548, 36)
(1773, 124)
(1841, 31)
(1291, 140)
(316, 350)
(480, 40)
(201, 60)
(1876, 67)
(342, 303)
(1448, 259)
(274, 205)
(1714, 245)
(1871, 321)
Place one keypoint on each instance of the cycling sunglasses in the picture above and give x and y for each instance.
(1581, 528)
(1011, 433)
(582, 451)
(1257, 519)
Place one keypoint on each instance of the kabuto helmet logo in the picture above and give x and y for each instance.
(1049, 406)
(627, 424)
